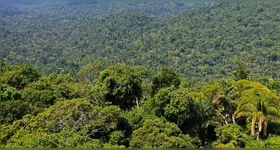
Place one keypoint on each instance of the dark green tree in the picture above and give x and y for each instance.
(159, 133)
(242, 72)
(19, 76)
(165, 78)
(120, 85)
(230, 136)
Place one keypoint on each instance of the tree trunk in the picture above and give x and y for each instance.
(224, 117)
(233, 119)
(253, 128)
(137, 103)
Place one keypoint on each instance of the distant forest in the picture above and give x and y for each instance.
(201, 41)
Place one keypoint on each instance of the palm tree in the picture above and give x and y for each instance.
(258, 122)
(260, 105)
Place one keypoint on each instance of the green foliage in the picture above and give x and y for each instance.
(258, 104)
(90, 72)
(13, 110)
(255, 144)
(242, 71)
(161, 134)
(273, 142)
(274, 85)
(201, 43)
(230, 136)
(116, 137)
(181, 89)
(9, 93)
(82, 42)
(47, 90)
(135, 117)
(189, 110)
(64, 139)
(78, 116)
(2, 65)
(19, 76)
(39, 98)
(120, 85)
(223, 96)
(165, 78)
(55, 111)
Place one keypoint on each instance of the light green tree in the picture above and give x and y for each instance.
(158, 133)
(258, 104)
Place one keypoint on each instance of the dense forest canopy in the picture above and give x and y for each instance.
(201, 43)
(135, 107)
(140, 75)
(60, 37)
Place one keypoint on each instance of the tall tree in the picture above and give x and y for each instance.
(165, 78)
(90, 72)
(19, 76)
(120, 85)
(159, 133)
(258, 104)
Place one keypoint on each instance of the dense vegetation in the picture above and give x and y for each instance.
(132, 106)
(115, 75)
(60, 37)
(201, 43)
